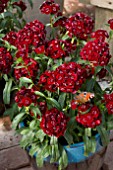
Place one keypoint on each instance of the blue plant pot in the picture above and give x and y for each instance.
(75, 152)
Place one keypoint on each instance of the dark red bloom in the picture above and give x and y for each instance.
(11, 37)
(27, 39)
(109, 102)
(88, 116)
(49, 7)
(47, 79)
(20, 4)
(40, 50)
(111, 23)
(73, 105)
(97, 52)
(100, 34)
(108, 97)
(6, 61)
(3, 5)
(54, 122)
(54, 49)
(79, 25)
(24, 97)
(69, 77)
(109, 107)
(43, 107)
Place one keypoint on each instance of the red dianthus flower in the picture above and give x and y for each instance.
(54, 122)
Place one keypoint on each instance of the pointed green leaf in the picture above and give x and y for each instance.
(55, 103)
(17, 120)
(61, 99)
(7, 91)
(25, 80)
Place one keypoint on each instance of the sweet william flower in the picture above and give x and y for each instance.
(49, 7)
(24, 97)
(100, 34)
(54, 122)
(91, 118)
(6, 61)
(79, 25)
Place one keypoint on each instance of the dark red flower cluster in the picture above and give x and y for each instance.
(24, 97)
(109, 102)
(88, 116)
(49, 7)
(3, 5)
(97, 52)
(6, 61)
(54, 122)
(68, 77)
(47, 80)
(54, 49)
(28, 68)
(100, 35)
(27, 39)
(79, 25)
(59, 48)
(110, 22)
(20, 4)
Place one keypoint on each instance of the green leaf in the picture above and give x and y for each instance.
(35, 110)
(88, 132)
(55, 103)
(34, 149)
(61, 99)
(110, 125)
(25, 131)
(103, 134)
(98, 69)
(25, 80)
(7, 91)
(90, 85)
(109, 70)
(31, 3)
(39, 159)
(19, 10)
(56, 19)
(17, 120)
(63, 161)
(7, 14)
(45, 151)
(93, 144)
(40, 94)
(32, 124)
(68, 137)
(27, 139)
(40, 135)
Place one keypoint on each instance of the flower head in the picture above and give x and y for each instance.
(49, 7)
(54, 122)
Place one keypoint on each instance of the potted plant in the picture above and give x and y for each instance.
(59, 104)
